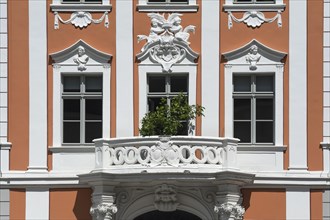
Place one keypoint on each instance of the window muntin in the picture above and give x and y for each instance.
(253, 100)
(166, 86)
(82, 108)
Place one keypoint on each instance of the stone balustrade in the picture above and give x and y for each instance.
(167, 151)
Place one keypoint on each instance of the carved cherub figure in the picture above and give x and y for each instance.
(81, 58)
(253, 57)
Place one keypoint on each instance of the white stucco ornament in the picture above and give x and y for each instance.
(228, 211)
(253, 57)
(103, 211)
(81, 19)
(167, 42)
(165, 198)
(254, 19)
(81, 58)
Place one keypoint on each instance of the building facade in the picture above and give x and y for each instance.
(78, 76)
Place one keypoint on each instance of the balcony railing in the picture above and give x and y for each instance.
(179, 152)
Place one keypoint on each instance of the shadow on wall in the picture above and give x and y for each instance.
(82, 204)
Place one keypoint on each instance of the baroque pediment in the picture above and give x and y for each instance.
(253, 54)
(167, 43)
(82, 55)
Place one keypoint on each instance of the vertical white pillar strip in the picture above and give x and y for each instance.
(210, 67)
(298, 85)
(37, 204)
(124, 68)
(298, 204)
(106, 102)
(229, 117)
(37, 85)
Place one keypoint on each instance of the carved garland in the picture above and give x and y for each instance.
(81, 19)
(254, 19)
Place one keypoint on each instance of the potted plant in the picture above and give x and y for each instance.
(173, 119)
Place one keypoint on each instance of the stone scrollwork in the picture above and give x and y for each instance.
(254, 19)
(103, 211)
(253, 57)
(81, 19)
(167, 39)
(81, 58)
(230, 211)
(166, 198)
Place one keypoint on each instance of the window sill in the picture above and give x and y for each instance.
(80, 7)
(73, 149)
(249, 7)
(167, 8)
(270, 148)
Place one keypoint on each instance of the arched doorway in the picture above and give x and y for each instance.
(176, 215)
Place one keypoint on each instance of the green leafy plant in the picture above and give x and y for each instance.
(170, 120)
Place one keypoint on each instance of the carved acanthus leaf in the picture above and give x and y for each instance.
(230, 211)
(103, 211)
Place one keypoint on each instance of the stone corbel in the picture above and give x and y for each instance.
(165, 198)
(81, 19)
(254, 19)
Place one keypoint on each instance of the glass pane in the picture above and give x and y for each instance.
(71, 83)
(93, 1)
(264, 132)
(184, 129)
(71, 109)
(264, 84)
(93, 130)
(154, 1)
(243, 1)
(153, 102)
(242, 83)
(70, 1)
(156, 83)
(71, 132)
(93, 83)
(179, 1)
(264, 108)
(242, 130)
(93, 109)
(242, 109)
(179, 84)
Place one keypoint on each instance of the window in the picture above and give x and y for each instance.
(166, 86)
(82, 108)
(168, 1)
(254, 1)
(82, 1)
(253, 100)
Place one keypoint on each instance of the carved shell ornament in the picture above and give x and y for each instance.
(81, 19)
(163, 36)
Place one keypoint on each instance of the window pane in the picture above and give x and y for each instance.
(153, 102)
(93, 109)
(179, 84)
(93, 130)
(70, 1)
(156, 84)
(264, 132)
(93, 83)
(264, 108)
(179, 1)
(71, 132)
(264, 84)
(243, 1)
(153, 1)
(242, 83)
(71, 109)
(71, 83)
(242, 109)
(242, 130)
(93, 1)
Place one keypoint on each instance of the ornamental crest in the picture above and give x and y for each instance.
(165, 198)
(167, 42)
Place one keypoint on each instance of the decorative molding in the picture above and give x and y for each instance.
(103, 211)
(229, 211)
(165, 198)
(81, 19)
(146, 6)
(254, 19)
(167, 42)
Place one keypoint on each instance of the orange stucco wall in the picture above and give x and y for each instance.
(70, 204)
(18, 88)
(17, 204)
(265, 204)
(316, 205)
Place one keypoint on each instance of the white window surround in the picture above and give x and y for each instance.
(145, 6)
(268, 62)
(57, 5)
(64, 62)
(230, 5)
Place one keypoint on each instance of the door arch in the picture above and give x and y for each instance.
(175, 215)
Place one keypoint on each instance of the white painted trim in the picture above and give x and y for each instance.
(58, 71)
(144, 6)
(298, 85)
(37, 85)
(124, 68)
(4, 156)
(326, 156)
(298, 203)
(37, 204)
(58, 6)
(144, 70)
(210, 67)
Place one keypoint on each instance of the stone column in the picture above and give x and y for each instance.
(103, 199)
